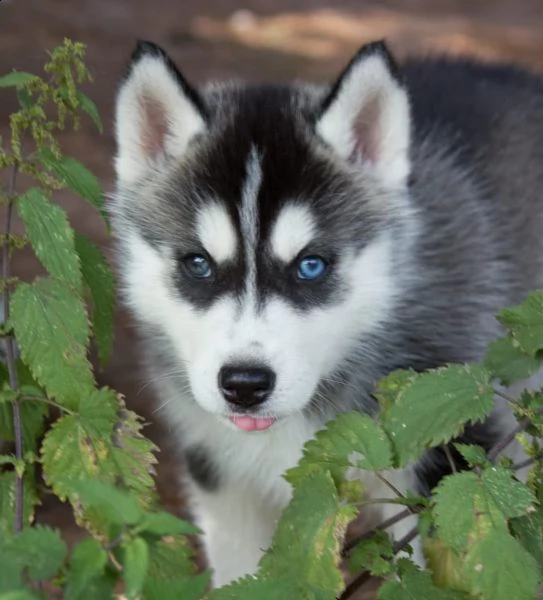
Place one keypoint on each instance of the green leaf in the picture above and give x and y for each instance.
(497, 567)
(114, 505)
(163, 523)
(374, 554)
(172, 572)
(416, 585)
(87, 565)
(88, 106)
(77, 446)
(468, 506)
(529, 532)
(525, 322)
(100, 442)
(17, 79)
(306, 546)
(435, 407)
(40, 550)
(350, 440)
(20, 595)
(77, 177)
(263, 588)
(508, 362)
(475, 456)
(7, 502)
(136, 563)
(52, 331)
(51, 236)
(99, 278)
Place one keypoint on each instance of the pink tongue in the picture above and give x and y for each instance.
(251, 423)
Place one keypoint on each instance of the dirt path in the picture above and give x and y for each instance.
(274, 40)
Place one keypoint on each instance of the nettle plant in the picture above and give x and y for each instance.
(482, 528)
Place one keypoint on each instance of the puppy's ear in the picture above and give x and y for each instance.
(366, 114)
(157, 113)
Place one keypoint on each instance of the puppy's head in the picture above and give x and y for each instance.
(257, 225)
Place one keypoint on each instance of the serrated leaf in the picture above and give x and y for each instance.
(40, 550)
(136, 563)
(88, 106)
(415, 585)
(16, 79)
(525, 322)
(99, 278)
(307, 542)
(87, 565)
(262, 588)
(77, 445)
(7, 502)
(51, 236)
(445, 565)
(374, 555)
(52, 332)
(468, 506)
(163, 523)
(113, 505)
(172, 572)
(133, 455)
(25, 99)
(102, 442)
(435, 406)
(350, 440)
(508, 362)
(497, 567)
(529, 532)
(77, 177)
(475, 456)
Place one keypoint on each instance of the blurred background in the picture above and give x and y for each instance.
(259, 40)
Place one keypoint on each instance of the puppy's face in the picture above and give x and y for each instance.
(255, 226)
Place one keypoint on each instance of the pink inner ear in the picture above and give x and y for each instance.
(154, 126)
(366, 130)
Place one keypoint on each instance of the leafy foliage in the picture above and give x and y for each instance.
(482, 528)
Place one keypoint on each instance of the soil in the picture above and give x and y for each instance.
(261, 40)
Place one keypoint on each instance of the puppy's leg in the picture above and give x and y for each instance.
(237, 528)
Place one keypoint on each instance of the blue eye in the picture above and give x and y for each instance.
(311, 268)
(197, 266)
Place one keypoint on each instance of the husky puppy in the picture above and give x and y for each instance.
(283, 247)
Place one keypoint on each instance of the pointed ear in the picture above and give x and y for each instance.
(366, 115)
(157, 113)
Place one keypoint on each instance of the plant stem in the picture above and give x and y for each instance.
(504, 442)
(10, 351)
(382, 526)
(365, 576)
(528, 462)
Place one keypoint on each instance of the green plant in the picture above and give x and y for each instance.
(482, 528)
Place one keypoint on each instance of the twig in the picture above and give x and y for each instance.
(365, 576)
(381, 527)
(10, 353)
(450, 458)
(528, 462)
(504, 442)
(389, 485)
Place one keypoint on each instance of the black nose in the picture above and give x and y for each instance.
(246, 386)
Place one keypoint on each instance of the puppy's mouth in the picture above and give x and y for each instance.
(248, 423)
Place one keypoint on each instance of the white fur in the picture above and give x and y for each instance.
(216, 232)
(249, 216)
(372, 105)
(151, 86)
(292, 231)
(298, 347)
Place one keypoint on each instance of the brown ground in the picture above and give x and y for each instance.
(266, 40)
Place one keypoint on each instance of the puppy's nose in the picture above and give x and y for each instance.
(246, 386)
